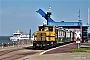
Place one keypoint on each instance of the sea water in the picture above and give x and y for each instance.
(5, 40)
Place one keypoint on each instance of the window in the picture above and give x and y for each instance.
(45, 28)
(50, 28)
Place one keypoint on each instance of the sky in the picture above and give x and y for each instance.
(22, 14)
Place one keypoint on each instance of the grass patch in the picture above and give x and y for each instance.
(80, 50)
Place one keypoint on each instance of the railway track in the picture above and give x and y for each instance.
(64, 49)
(18, 56)
(8, 51)
(13, 54)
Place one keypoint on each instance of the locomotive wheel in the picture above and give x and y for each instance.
(34, 47)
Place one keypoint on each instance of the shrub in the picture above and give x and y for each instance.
(80, 50)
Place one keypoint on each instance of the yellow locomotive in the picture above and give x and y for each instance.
(49, 36)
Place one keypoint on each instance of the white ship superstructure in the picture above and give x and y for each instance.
(18, 35)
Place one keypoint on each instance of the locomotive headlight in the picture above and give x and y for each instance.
(61, 39)
(35, 38)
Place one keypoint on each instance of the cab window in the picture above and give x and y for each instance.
(45, 28)
(50, 28)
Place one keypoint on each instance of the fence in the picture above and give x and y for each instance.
(16, 43)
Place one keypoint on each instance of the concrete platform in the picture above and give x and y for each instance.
(86, 44)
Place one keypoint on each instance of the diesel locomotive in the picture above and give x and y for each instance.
(49, 36)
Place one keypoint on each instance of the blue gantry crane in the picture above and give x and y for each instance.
(63, 24)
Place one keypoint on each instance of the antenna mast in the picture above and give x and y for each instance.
(79, 14)
(88, 17)
(49, 7)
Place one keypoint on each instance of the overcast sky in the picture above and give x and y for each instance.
(22, 14)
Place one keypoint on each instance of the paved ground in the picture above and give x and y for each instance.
(60, 56)
(54, 56)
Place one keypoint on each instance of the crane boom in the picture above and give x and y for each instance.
(53, 23)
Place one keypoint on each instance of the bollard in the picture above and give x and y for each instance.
(2, 45)
(13, 43)
(8, 44)
(18, 43)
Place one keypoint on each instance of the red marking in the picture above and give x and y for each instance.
(80, 30)
(80, 39)
(74, 30)
(75, 39)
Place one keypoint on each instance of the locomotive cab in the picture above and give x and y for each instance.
(44, 36)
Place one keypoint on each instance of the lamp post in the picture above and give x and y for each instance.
(30, 36)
